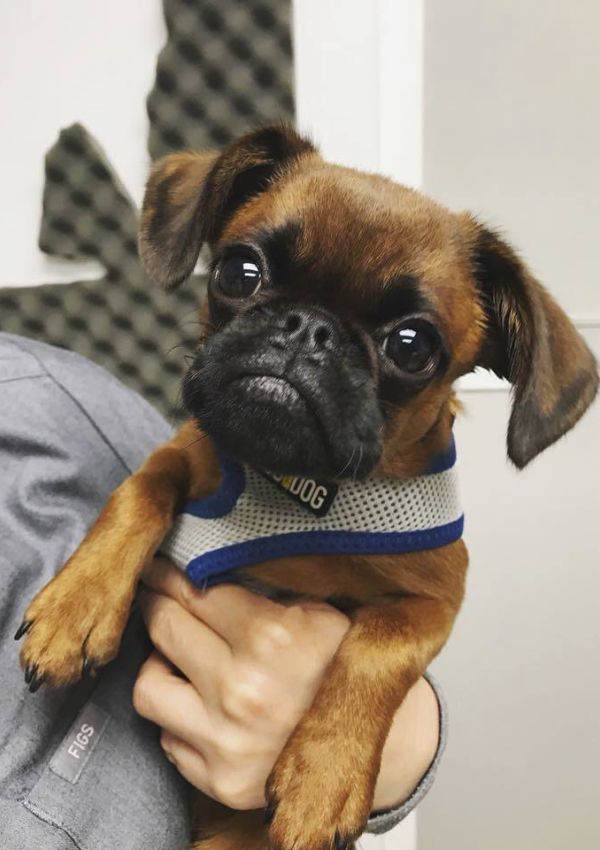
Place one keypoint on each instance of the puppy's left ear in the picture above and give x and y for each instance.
(191, 196)
(531, 342)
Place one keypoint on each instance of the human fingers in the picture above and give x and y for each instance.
(164, 698)
(231, 611)
(187, 642)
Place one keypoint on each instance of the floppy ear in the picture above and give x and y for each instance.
(531, 342)
(190, 197)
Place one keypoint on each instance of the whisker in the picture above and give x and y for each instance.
(357, 467)
(172, 349)
(346, 465)
(390, 405)
(198, 440)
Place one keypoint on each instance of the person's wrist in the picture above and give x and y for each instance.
(410, 747)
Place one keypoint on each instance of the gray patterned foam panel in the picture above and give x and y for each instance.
(225, 67)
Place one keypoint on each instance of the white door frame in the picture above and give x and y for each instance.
(359, 82)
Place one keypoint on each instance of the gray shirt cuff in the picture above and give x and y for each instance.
(381, 822)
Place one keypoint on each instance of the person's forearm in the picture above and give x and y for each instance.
(410, 747)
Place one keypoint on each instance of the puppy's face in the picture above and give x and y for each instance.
(342, 308)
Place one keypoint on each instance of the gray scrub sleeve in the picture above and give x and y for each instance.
(78, 767)
(384, 821)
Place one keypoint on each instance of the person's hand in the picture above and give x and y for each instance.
(252, 668)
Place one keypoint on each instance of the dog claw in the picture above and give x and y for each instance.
(86, 668)
(36, 683)
(23, 629)
(30, 672)
(270, 809)
(339, 843)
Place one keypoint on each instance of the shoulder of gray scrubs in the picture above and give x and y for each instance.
(384, 821)
(121, 417)
(69, 434)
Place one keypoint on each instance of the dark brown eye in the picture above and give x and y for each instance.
(238, 276)
(413, 346)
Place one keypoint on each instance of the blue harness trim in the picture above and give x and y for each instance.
(223, 500)
(443, 461)
(212, 567)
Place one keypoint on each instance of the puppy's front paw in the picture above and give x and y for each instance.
(72, 626)
(319, 797)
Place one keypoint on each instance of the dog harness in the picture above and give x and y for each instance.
(255, 517)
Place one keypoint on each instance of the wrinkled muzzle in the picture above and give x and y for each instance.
(288, 389)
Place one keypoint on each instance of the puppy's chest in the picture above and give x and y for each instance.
(299, 536)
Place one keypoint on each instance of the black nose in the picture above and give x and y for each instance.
(304, 328)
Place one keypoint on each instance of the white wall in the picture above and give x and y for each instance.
(359, 82)
(512, 131)
(521, 669)
(62, 62)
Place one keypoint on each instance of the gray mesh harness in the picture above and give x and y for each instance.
(254, 517)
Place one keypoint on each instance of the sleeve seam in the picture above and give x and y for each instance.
(23, 378)
(47, 819)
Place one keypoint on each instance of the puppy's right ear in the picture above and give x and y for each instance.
(531, 342)
(191, 196)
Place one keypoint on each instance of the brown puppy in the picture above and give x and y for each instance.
(345, 306)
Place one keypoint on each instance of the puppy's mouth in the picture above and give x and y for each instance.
(279, 394)
(282, 411)
(271, 389)
(271, 422)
